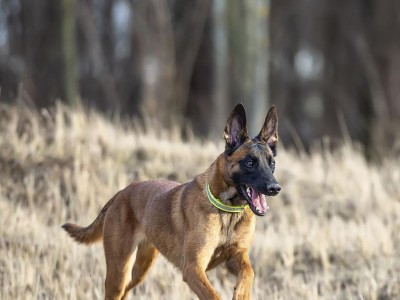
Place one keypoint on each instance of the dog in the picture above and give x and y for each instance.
(196, 225)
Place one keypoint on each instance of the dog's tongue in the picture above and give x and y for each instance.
(259, 201)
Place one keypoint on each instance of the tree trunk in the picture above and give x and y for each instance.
(259, 99)
(220, 61)
(68, 42)
(248, 41)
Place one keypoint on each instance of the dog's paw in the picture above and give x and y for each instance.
(242, 292)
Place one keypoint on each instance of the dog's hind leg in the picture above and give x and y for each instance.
(145, 257)
(120, 239)
(118, 265)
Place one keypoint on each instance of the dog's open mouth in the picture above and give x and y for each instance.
(257, 201)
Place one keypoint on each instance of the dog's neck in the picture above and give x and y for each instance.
(225, 192)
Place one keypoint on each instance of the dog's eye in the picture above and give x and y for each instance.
(249, 163)
(272, 164)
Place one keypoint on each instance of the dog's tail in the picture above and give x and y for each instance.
(91, 233)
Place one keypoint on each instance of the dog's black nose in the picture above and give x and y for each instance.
(273, 189)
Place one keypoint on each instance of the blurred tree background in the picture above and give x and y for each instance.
(331, 67)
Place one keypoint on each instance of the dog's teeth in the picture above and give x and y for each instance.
(248, 191)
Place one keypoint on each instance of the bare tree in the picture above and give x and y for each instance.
(68, 30)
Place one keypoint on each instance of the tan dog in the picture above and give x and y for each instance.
(187, 223)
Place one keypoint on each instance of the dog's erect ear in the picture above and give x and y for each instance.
(235, 130)
(269, 132)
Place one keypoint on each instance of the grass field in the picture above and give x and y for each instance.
(332, 233)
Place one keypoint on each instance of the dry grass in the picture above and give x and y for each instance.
(332, 233)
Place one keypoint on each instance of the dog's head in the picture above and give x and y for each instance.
(250, 162)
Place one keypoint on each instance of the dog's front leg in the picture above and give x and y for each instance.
(195, 276)
(197, 255)
(239, 265)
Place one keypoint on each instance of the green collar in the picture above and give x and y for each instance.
(218, 204)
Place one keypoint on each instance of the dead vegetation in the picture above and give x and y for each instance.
(332, 233)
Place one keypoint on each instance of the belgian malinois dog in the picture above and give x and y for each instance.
(196, 225)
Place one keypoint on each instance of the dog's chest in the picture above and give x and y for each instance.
(236, 233)
(230, 224)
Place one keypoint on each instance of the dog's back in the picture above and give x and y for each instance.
(149, 192)
(132, 199)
